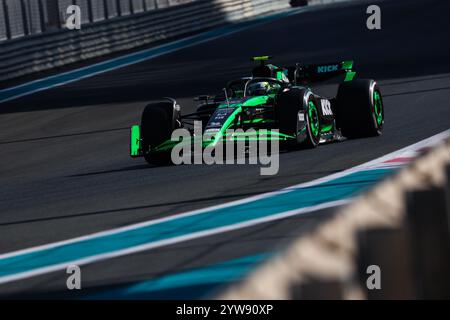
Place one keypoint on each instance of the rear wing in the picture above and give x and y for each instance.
(321, 72)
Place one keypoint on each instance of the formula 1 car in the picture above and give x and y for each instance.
(271, 98)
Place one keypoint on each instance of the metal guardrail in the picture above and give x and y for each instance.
(60, 47)
(20, 18)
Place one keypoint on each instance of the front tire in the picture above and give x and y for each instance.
(293, 104)
(313, 125)
(157, 124)
(360, 111)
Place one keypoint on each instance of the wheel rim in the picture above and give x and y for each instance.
(378, 107)
(313, 119)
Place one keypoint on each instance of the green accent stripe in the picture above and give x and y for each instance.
(378, 106)
(349, 76)
(261, 58)
(135, 141)
(313, 118)
(326, 128)
(347, 65)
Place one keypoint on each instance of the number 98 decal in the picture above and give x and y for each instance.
(326, 107)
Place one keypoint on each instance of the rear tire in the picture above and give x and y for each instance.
(157, 124)
(360, 111)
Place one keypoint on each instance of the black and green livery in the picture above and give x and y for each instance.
(273, 97)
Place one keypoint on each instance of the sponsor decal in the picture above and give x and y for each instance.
(301, 116)
(326, 107)
(325, 69)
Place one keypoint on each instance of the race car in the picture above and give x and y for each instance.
(271, 98)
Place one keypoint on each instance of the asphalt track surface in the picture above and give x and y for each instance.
(65, 170)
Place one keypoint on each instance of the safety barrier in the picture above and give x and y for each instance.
(26, 17)
(398, 232)
(39, 52)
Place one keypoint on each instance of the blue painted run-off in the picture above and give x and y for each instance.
(191, 284)
(296, 198)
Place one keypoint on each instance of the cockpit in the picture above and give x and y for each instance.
(248, 87)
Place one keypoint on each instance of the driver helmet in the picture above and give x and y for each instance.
(258, 88)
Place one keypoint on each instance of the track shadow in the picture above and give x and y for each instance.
(63, 136)
(103, 292)
(131, 208)
(415, 92)
(155, 205)
(129, 168)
